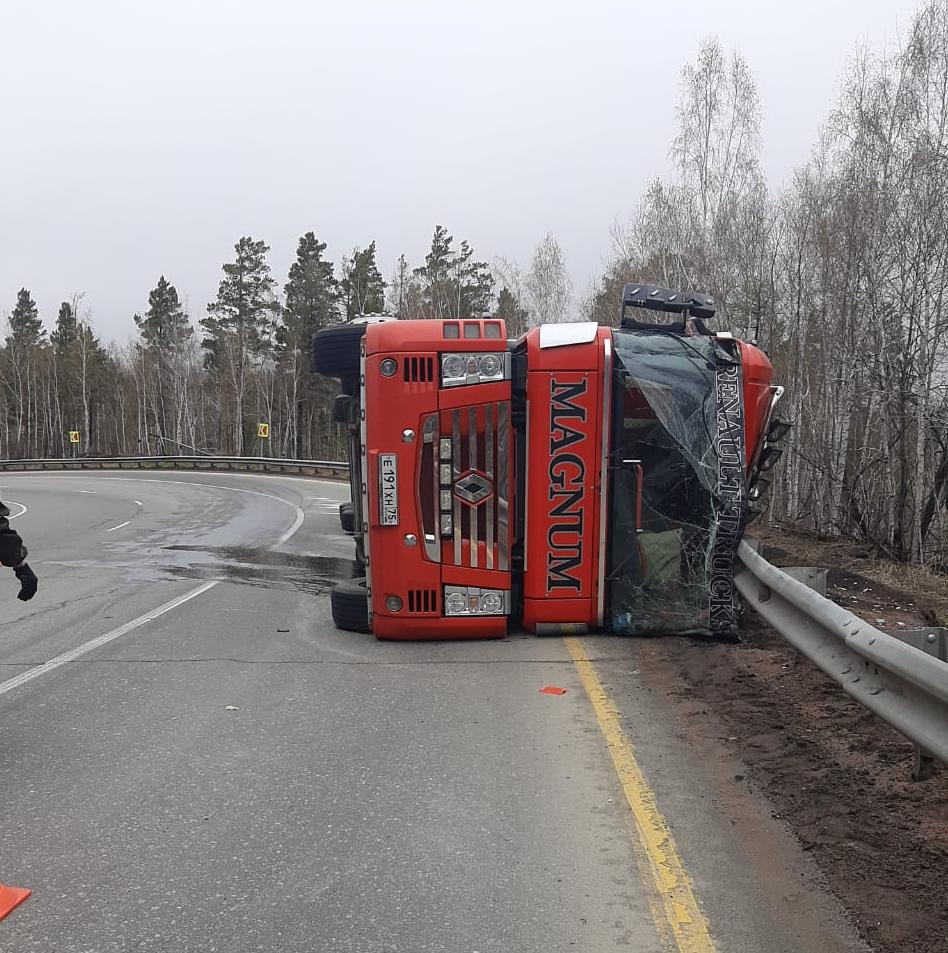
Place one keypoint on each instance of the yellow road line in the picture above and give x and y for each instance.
(677, 899)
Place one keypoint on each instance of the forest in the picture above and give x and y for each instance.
(841, 276)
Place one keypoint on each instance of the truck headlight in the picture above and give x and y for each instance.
(473, 601)
(477, 367)
(453, 366)
(491, 365)
(491, 603)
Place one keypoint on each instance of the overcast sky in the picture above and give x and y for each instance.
(135, 144)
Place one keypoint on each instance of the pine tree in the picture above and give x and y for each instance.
(164, 324)
(472, 284)
(245, 306)
(362, 286)
(163, 366)
(312, 295)
(311, 291)
(454, 284)
(26, 328)
(241, 329)
(512, 313)
(66, 332)
(434, 275)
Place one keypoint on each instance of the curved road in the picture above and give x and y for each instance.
(192, 758)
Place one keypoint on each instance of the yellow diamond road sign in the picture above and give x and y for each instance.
(263, 431)
(74, 436)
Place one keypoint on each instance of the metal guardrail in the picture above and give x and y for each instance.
(905, 686)
(322, 468)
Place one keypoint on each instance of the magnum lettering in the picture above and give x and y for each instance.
(567, 486)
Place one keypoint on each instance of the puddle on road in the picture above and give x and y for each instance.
(241, 565)
(263, 567)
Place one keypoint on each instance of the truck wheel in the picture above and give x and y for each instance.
(350, 606)
(347, 517)
(340, 408)
(336, 351)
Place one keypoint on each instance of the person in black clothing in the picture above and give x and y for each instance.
(13, 554)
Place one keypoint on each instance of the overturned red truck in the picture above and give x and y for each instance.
(579, 478)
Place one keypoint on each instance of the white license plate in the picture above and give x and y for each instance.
(388, 489)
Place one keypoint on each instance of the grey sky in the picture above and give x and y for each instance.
(137, 143)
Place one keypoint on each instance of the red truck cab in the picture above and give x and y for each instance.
(582, 477)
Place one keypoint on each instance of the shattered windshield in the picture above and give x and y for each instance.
(677, 484)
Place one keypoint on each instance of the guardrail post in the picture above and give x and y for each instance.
(932, 639)
(923, 765)
(809, 576)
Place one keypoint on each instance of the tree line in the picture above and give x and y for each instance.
(842, 277)
(186, 387)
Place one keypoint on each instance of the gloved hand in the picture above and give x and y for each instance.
(28, 582)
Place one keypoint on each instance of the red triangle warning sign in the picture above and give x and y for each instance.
(11, 897)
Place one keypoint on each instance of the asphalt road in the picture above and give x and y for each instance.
(193, 759)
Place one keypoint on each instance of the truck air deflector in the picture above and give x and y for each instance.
(572, 332)
(677, 484)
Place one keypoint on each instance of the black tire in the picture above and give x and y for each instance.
(347, 517)
(350, 606)
(336, 351)
(340, 408)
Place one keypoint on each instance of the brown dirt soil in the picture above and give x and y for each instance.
(887, 594)
(839, 777)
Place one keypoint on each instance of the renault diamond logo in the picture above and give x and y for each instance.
(472, 488)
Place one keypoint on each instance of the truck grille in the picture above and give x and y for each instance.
(480, 441)
(480, 476)
(422, 600)
(419, 370)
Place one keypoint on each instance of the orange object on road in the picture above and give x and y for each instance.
(553, 690)
(11, 897)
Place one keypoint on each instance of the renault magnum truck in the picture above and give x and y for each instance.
(579, 478)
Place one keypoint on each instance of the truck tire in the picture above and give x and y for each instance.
(350, 606)
(336, 352)
(347, 517)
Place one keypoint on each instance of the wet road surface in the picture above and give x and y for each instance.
(193, 758)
